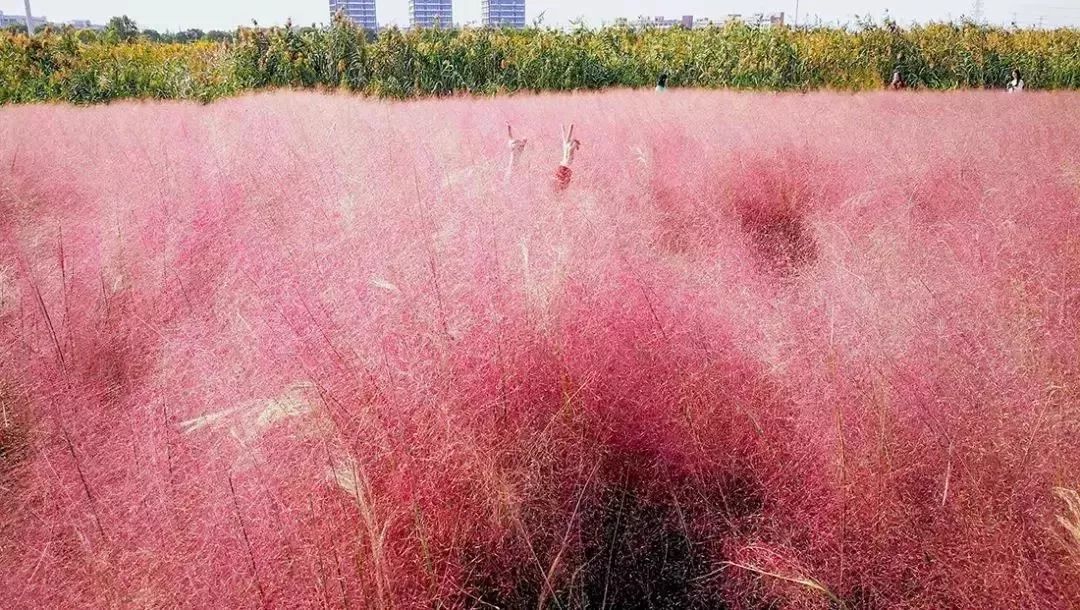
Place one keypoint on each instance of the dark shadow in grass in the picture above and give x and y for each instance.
(780, 239)
(645, 540)
(14, 435)
(642, 553)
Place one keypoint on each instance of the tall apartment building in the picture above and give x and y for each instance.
(431, 13)
(361, 12)
(503, 13)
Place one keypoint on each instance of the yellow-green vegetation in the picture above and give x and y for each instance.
(83, 67)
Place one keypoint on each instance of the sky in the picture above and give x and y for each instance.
(173, 15)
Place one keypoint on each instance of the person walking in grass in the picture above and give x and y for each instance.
(1016, 85)
(563, 175)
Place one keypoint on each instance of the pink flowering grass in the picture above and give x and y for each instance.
(768, 351)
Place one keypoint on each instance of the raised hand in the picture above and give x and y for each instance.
(570, 145)
(517, 148)
(515, 145)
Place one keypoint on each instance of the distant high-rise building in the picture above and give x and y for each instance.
(360, 12)
(431, 13)
(503, 13)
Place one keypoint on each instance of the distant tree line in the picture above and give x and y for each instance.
(191, 35)
(124, 29)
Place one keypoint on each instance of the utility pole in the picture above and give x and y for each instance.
(29, 20)
(796, 13)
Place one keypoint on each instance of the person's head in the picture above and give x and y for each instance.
(662, 81)
(1016, 74)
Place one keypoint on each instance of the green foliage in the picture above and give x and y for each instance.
(85, 67)
(121, 29)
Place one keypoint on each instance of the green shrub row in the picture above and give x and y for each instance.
(85, 68)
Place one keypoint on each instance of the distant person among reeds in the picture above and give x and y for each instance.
(564, 174)
(898, 81)
(1017, 82)
(661, 83)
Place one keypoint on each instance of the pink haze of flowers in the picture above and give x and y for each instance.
(774, 351)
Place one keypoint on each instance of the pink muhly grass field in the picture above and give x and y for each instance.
(767, 351)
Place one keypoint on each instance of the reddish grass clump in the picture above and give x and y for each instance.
(766, 351)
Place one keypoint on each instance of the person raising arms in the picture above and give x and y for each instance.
(563, 175)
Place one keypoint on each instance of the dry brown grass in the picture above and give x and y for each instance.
(1071, 520)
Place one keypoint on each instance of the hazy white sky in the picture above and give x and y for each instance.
(227, 14)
